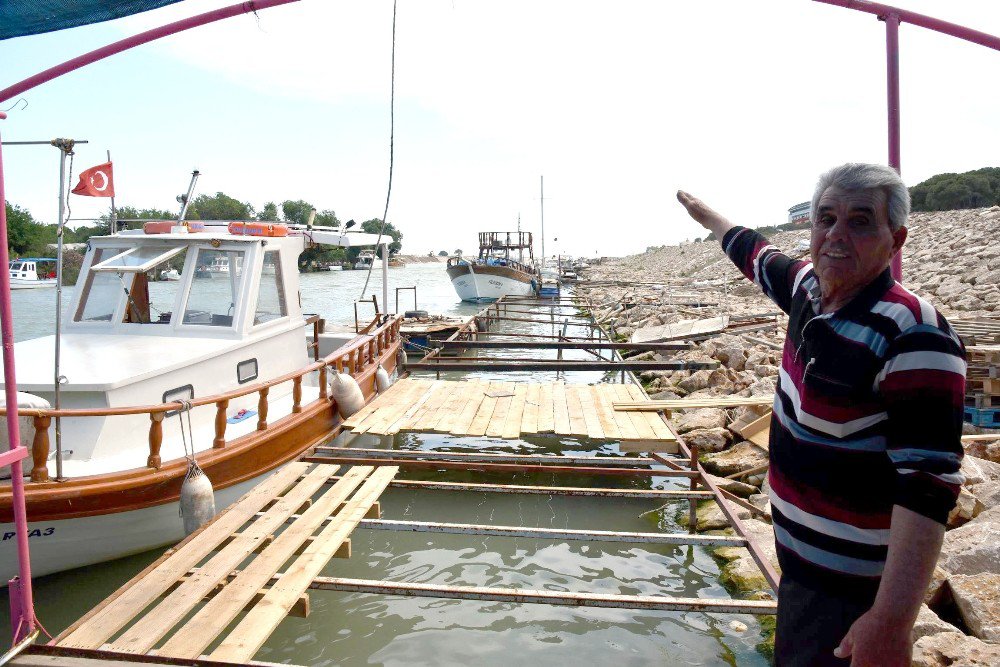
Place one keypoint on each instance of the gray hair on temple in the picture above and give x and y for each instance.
(856, 176)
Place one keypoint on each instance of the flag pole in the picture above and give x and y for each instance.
(114, 212)
(65, 147)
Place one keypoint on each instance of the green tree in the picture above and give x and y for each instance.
(219, 206)
(443, 253)
(296, 211)
(946, 192)
(372, 227)
(129, 217)
(25, 235)
(269, 213)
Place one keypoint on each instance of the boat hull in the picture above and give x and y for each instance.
(21, 283)
(485, 284)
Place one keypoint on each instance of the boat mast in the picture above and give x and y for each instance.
(542, 200)
(185, 199)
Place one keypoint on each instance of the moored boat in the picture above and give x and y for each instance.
(32, 272)
(496, 272)
(235, 351)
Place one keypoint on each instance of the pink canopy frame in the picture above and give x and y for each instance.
(893, 17)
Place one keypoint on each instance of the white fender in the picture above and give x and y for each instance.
(382, 380)
(197, 499)
(344, 390)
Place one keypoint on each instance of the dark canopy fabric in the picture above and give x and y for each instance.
(30, 17)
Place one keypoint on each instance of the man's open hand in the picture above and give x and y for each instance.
(876, 642)
(705, 216)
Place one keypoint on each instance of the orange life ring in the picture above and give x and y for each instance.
(257, 229)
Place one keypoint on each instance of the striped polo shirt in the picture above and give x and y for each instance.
(867, 415)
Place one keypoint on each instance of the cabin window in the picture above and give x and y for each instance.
(101, 291)
(246, 371)
(212, 299)
(271, 295)
(185, 393)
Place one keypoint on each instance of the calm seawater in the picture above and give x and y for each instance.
(363, 629)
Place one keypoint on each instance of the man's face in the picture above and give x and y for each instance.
(852, 242)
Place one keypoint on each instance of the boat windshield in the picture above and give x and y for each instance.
(101, 291)
(212, 299)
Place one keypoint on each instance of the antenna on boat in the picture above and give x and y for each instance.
(312, 218)
(542, 201)
(185, 199)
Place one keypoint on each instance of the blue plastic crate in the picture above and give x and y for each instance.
(985, 417)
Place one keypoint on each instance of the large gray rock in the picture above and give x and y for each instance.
(697, 380)
(732, 357)
(708, 439)
(733, 486)
(953, 649)
(929, 623)
(741, 456)
(978, 600)
(975, 547)
(977, 470)
(702, 418)
(741, 571)
(967, 507)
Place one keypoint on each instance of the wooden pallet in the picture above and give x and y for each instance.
(198, 582)
(508, 410)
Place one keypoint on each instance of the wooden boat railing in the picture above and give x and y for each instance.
(352, 358)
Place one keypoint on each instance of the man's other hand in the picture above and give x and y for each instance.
(876, 642)
(705, 216)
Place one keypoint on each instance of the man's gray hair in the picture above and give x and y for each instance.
(855, 176)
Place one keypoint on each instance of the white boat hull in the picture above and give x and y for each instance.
(479, 286)
(23, 283)
(68, 544)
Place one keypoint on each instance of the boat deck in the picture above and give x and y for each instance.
(254, 562)
(510, 409)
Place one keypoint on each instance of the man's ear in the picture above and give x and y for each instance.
(898, 239)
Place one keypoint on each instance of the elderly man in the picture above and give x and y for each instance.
(865, 444)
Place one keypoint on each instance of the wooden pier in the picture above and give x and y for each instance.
(209, 574)
(511, 409)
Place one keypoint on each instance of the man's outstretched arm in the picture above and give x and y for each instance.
(705, 216)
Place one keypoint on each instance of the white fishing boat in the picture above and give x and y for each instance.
(367, 259)
(496, 272)
(239, 350)
(172, 275)
(32, 272)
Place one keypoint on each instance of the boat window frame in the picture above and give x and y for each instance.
(241, 291)
(82, 296)
(280, 284)
(103, 267)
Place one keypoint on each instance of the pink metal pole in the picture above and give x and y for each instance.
(21, 604)
(137, 40)
(892, 106)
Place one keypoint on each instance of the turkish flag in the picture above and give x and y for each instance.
(96, 182)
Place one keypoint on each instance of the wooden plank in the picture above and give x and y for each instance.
(204, 627)
(157, 622)
(250, 634)
(758, 431)
(512, 425)
(577, 422)
(138, 593)
(626, 430)
(645, 404)
(560, 407)
(379, 404)
(592, 422)
(476, 392)
(546, 423)
(495, 428)
(460, 397)
(408, 414)
(605, 415)
(485, 412)
(404, 407)
(426, 417)
(532, 399)
(643, 431)
(396, 403)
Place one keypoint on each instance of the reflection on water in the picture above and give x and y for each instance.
(364, 629)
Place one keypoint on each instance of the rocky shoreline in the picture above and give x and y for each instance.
(950, 259)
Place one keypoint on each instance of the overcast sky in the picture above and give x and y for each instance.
(617, 104)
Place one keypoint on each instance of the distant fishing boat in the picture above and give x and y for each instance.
(496, 272)
(25, 273)
(367, 259)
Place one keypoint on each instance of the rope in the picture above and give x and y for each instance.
(192, 464)
(392, 133)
